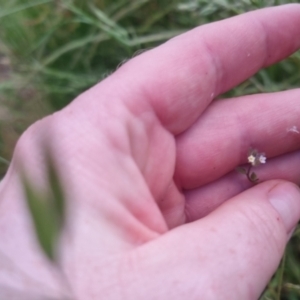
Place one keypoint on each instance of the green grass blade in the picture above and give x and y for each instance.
(162, 36)
(4, 161)
(43, 217)
(21, 7)
(280, 275)
(129, 9)
(103, 18)
(58, 196)
(73, 45)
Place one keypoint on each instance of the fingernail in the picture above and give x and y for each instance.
(285, 198)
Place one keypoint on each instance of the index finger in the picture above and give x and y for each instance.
(180, 78)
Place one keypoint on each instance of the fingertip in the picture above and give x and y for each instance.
(285, 199)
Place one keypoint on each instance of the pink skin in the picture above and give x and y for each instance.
(147, 151)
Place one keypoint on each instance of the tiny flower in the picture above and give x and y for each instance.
(251, 159)
(255, 158)
(262, 158)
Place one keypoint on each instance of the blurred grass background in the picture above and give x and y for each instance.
(51, 50)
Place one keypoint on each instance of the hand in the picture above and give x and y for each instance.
(147, 159)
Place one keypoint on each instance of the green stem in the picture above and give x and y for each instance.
(280, 279)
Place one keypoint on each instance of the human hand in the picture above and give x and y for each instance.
(155, 210)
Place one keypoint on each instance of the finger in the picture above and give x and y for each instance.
(202, 201)
(242, 241)
(220, 140)
(180, 78)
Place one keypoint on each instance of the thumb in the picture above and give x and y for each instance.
(230, 254)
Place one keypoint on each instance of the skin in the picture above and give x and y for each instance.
(147, 159)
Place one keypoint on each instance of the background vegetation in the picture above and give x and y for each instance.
(51, 50)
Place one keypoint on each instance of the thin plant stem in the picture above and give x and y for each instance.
(248, 173)
(280, 279)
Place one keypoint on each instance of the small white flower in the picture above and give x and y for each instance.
(251, 159)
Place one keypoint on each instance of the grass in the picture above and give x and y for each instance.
(51, 50)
